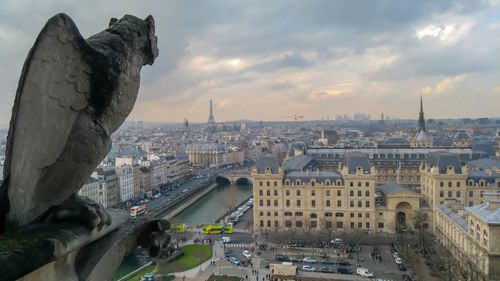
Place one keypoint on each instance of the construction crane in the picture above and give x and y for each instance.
(295, 117)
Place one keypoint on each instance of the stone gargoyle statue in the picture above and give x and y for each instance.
(72, 95)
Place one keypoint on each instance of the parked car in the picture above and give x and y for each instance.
(234, 260)
(343, 263)
(395, 255)
(148, 277)
(325, 269)
(364, 272)
(309, 260)
(247, 254)
(308, 268)
(281, 258)
(402, 267)
(344, 270)
(295, 259)
(398, 260)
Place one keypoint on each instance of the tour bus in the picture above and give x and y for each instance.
(218, 229)
(138, 211)
(180, 228)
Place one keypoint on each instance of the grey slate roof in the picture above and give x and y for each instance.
(476, 176)
(299, 163)
(491, 216)
(265, 161)
(484, 163)
(298, 144)
(390, 188)
(355, 159)
(205, 147)
(304, 177)
(461, 135)
(442, 160)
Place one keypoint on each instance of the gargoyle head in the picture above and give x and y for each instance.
(139, 34)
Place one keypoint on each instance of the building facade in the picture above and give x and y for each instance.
(324, 201)
(125, 176)
(205, 154)
(90, 189)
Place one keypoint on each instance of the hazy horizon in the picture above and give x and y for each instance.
(265, 61)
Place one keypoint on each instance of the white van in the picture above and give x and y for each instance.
(364, 272)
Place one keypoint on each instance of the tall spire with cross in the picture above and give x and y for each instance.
(421, 119)
(211, 119)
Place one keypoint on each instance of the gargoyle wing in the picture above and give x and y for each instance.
(53, 89)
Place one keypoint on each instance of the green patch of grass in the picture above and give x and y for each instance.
(223, 278)
(193, 255)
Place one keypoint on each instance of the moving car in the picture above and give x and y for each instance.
(364, 272)
(344, 270)
(227, 252)
(336, 241)
(225, 239)
(308, 268)
(247, 254)
(234, 260)
(309, 260)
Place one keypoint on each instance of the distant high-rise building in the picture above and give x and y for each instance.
(211, 119)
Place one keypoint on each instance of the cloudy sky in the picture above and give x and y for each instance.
(266, 60)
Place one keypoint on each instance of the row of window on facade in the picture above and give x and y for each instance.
(314, 224)
(313, 193)
(412, 156)
(315, 216)
(481, 182)
(313, 203)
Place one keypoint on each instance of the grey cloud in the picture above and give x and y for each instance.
(259, 30)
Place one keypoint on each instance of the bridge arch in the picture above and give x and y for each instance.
(243, 180)
(221, 180)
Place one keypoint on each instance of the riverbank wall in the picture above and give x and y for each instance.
(188, 202)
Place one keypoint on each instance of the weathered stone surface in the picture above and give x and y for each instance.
(72, 95)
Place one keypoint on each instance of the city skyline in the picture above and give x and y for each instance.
(314, 59)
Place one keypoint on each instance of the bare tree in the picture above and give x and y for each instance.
(469, 268)
(229, 200)
(447, 264)
(419, 220)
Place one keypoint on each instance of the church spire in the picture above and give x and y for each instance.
(421, 119)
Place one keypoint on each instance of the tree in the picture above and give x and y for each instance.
(468, 268)
(419, 221)
(230, 199)
(447, 264)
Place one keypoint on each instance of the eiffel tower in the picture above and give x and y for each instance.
(211, 119)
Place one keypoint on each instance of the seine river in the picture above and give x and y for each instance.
(206, 210)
